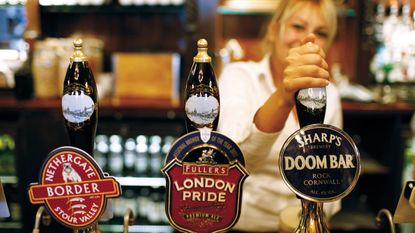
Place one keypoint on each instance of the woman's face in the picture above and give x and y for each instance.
(307, 19)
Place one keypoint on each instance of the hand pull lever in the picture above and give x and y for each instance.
(128, 219)
(41, 215)
(388, 216)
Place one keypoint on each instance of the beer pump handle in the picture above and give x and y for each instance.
(41, 215)
(388, 216)
(128, 219)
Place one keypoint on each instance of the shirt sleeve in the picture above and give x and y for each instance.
(238, 105)
(334, 115)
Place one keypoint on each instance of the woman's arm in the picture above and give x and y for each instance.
(239, 101)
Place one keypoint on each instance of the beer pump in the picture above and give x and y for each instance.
(204, 169)
(71, 185)
(405, 209)
(319, 163)
(404, 212)
(385, 214)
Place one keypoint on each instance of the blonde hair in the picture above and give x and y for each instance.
(286, 9)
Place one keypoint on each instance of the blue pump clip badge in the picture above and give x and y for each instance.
(320, 163)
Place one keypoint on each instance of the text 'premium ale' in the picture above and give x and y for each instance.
(79, 101)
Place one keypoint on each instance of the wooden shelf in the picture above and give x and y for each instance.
(134, 104)
(117, 9)
(370, 167)
(114, 108)
(8, 179)
(263, 7)
(10, 225)
(11, 103)
(142, 181)
(365, 108)
(237, 7)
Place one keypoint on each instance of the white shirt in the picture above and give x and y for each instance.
(244, 87)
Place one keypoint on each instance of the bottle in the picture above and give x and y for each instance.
(23, 78)
(153, 208)
(143, 204)
(80, 101)
(141, 162)
(311, 104)
(7, 160)
(115, 157)
(202, 93)
(156, 160)
(130, 155)
(101, 151)
(167, 143)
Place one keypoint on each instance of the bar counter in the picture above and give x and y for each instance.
(379, 130)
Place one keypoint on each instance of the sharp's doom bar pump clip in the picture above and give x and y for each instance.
(320, 163)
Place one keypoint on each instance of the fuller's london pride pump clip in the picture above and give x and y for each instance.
(204, 182)
(73, 187)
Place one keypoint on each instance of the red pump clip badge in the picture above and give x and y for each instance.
(73, 187)
(204, 182)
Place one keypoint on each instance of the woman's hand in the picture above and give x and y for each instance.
(306, 67)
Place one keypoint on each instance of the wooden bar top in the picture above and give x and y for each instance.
(360, 107)
(134, 104)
